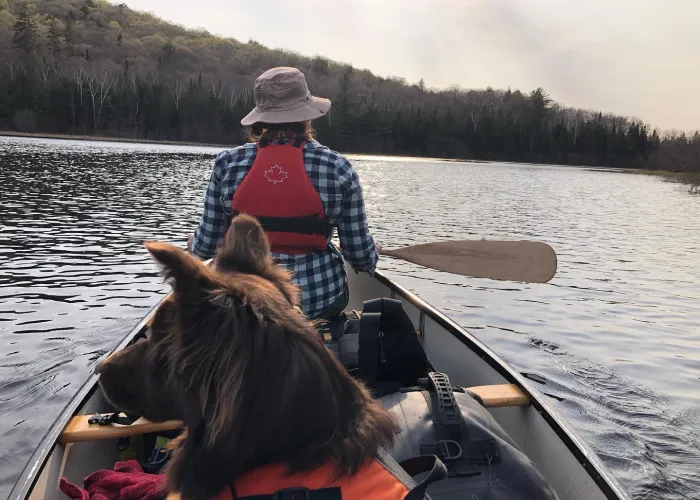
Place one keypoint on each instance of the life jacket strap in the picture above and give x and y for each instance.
(299, 494)
(309, 224)
(297, 142)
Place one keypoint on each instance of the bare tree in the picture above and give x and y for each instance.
(176, 89)
(217, 89)
(13, 66)
(232, 99)
(44, 70)
(454, 92)
(391, 104)
(154, 79)
(246, 97)
(489, 99)
(475, 107)
(134, 85)
(79, 77)
(57, 68)
(99, 88)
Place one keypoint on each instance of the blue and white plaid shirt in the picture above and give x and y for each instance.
(320, 275)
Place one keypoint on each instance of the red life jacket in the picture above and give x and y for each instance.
(380, 479)
(278, 192)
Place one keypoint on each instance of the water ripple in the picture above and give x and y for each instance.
(613, 340)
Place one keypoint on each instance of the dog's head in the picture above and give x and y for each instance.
(136, 379)
(247, 372)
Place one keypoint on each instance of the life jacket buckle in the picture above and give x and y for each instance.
(292, 494)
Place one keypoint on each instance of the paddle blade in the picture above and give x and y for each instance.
(526, 261)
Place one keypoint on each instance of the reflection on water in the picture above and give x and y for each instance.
(613, 339)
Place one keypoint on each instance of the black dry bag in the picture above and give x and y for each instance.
(481, 459)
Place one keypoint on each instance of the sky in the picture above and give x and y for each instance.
(636, 58)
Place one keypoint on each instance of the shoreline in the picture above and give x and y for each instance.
(93, 138)
(98, 138)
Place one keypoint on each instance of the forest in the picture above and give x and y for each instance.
(89, 67)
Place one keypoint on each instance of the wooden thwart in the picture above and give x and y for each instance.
(499, 396)
(78, 429)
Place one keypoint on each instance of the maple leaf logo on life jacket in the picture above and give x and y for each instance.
(275, 174)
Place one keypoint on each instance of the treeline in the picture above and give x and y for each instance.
(91, 67)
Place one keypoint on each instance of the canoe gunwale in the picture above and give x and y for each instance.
(30, 473)
(598, 471)
(583, 453)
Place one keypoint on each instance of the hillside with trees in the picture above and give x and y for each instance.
(90, 67)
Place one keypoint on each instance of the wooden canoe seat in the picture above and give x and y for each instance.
(78, 429)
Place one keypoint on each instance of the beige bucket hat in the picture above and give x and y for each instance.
(281, 96)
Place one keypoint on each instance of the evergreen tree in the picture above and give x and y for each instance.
(68, 34)
(24, 30)
(343, 118)
(54, 37)
(136, 97)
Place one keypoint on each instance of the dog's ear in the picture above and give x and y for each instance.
(184, 272)
(193, 284)
(246, 247)
(215, 327)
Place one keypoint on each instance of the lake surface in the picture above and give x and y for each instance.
(614, 337)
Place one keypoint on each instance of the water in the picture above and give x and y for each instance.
(613, 338)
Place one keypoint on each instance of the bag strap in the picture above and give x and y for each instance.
(454, 445)
(449, 414)
(368, 351)
(407, 469)
(419, 464)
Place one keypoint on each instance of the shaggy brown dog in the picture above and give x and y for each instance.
(232, 355)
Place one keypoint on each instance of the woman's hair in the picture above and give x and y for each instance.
(261, 129)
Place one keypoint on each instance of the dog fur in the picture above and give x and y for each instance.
(232, 355)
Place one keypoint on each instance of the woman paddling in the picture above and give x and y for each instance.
(299, 190)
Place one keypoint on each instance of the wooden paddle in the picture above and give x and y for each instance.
(526, 261)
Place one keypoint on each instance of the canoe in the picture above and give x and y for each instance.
(573, 470)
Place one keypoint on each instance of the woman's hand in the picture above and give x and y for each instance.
(378, 247)
(189, 243)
